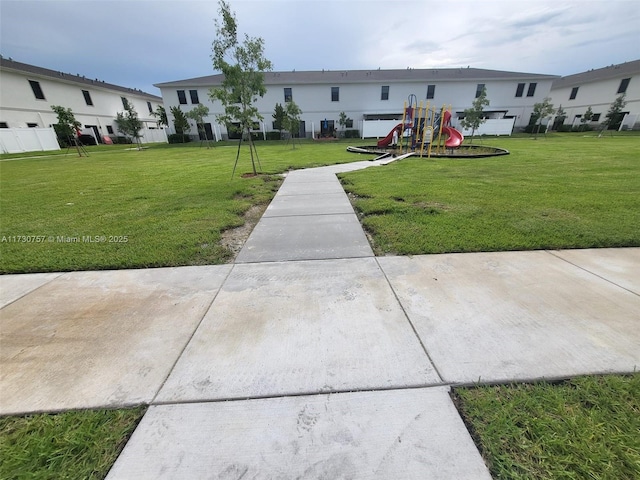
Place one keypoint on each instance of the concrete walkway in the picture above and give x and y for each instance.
(309, 357)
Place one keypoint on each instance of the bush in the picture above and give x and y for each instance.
(178, 138)
(352, 134)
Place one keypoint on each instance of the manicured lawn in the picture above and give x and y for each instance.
(562, 191)
(70, 445)
(162, 206)
(584, 428)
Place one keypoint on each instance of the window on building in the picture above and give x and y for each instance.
(595, 117)
(335, 94)
(4, 125)
(520, 89)
(87, 97)
(479, 89)
(288, 94)
(384, 94)
(624, 83)
(37, 90)
(574, 93)
(349, 123)
(182, 97)
(32, 125)
(125, 102)
(431, 92)
(532, 89)
(149, 107)
(109, 129)
(194, 97)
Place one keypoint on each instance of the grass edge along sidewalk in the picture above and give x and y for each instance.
(585, 427)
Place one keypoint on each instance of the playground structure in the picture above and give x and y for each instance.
(426, 131)
(422, 126)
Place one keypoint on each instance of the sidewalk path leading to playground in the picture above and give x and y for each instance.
(310, 357)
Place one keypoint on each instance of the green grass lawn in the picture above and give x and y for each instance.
(172, 203)
(562, 191)
(70, 445)
(583, 428)
(162, 206)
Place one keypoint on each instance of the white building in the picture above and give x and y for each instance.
(598, 89)
(27, 93)
(370, 95)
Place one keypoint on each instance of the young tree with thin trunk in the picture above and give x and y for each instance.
(292, 120)
(129, 123)
(67, 126)
(541, 111)
(243, 65)
(614, 117)
(197, 114)
(474, 116)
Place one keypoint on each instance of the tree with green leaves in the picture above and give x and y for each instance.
(243, 65)
(67, 126)
(180, 122)
(614, 116)
(474, 116)
(278, 118)
(161, 115)
(128, 122)
(197, 114)
(292, 120)
(542, 110)
(561, 115)
(586, 118)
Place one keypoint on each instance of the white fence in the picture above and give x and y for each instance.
(153, 135)
(17, 140)
(491, 126)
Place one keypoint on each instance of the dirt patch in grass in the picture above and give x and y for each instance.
(235, 238)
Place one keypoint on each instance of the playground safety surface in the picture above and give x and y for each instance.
(322, 362)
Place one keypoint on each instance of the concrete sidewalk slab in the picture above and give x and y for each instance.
(312, 186)
(620, 266)
(313, 237)
(296, 205)
(407, 434)
(13, 287)
(517, 315)
(100, 339)
(300, 327)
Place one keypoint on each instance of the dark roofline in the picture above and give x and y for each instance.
(368, 76)
(621, 70)
(10, 64)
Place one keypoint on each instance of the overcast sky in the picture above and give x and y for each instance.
(136, 43)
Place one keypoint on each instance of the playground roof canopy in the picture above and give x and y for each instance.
(369, 76)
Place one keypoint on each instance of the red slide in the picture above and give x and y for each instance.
(389, 138)
(455, 137)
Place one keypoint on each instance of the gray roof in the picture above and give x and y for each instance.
(367, 76)
(622, 70)
(9, 64)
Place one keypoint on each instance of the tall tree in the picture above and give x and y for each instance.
(180, 122)
(243, 65)
(67, 126)
(197, 114)
(474, 116)
(129, 123)
(292, 120)
(541, 111)
(278, 118)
